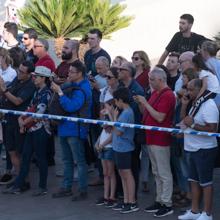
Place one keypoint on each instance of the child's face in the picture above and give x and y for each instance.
(118, 103)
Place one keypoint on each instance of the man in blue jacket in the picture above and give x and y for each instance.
(72, 135)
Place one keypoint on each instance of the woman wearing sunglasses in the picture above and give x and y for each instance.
(142, 63)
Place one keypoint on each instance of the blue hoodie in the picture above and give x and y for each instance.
(73, 105)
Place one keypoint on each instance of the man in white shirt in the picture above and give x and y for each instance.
(201, 151)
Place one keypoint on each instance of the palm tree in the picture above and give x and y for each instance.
(107, 17)
(57, 19)
(62, 19)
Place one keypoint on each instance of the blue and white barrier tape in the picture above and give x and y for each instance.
(100, 122)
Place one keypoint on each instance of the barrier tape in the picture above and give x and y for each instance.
(101, 122)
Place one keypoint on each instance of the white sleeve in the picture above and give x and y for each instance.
(210, 112)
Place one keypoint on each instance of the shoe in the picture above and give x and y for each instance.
(189, 215)
(164, 211)
(128, 208)
(111, 203)
(79, 196)
(59, 174)
(204, 216)
(12, 190)
(118, 207)
(101, 201)
(62, 192)
(40, 192)
(97, 182)
(153, 208)
(26, 186)
(6, 179)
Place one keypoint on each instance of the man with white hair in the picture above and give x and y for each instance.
(185, 61)
(159, 111)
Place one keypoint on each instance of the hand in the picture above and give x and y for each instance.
(56, 88)
(188, 121)
(140, 99)
(115, 114)
(185, 100)
(2, 85)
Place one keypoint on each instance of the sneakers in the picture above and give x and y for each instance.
(12, 190)
(118, 207)
(79, 196)
(128, 208)
(62, 192)
(110, 203)
(189, 215)
(40, 192)
(6, 179)
(204, 216)
(163, 211)
(101, 201)
(153, 208)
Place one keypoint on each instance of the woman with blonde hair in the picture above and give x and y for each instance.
(7, 73)
(142, 63)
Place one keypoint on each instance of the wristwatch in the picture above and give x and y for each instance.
(60, 93)
(193, 125)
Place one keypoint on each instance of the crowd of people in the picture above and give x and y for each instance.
(182, 93)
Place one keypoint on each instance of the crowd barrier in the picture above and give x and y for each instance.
(101, 122)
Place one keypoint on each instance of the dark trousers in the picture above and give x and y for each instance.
(35, 141)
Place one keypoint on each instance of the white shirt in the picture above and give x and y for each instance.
(8, 75)
(101, 81)
(105, 95)
(212, 81)
(104, 136)
(208, 113)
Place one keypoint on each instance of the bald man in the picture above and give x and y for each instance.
(69, 55)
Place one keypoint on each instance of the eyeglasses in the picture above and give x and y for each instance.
(73, 72)
(25, 38)
(182, 61)
(35, 46)
(135, 58)
(121, 69)
(109, 77)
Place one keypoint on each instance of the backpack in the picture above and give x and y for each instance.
(55, 108)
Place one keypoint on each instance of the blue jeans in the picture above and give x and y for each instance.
(73, 149)
(35, 141)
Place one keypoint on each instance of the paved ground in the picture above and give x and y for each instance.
(25, 207)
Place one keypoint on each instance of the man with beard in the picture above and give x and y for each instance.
(184, 40)
(69, 55)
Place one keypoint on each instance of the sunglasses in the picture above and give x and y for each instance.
(25, 38)
(35, 46)
(135, 58)
(121, 69)
(109, 77)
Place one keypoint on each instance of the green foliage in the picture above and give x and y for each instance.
(73, 18)
(54, 18)
(107, 17)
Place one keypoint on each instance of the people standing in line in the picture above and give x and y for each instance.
(69, 54)
(28, 39)
(95, 51)
(202, 151)
(41, 47)
(142, 63)
(72, 135)
(16, 96)
(173, 69)
(159, 111)
(184, 40)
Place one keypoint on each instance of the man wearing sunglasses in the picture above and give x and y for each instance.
(40, 49)
(28, 40)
